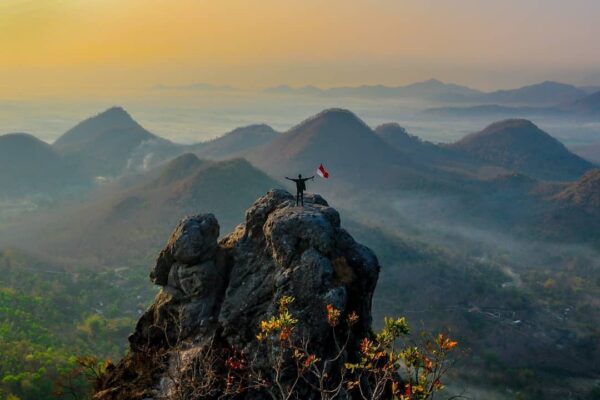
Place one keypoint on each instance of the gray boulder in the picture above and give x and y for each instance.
(218, 294)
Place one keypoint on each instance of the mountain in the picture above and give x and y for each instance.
(433, 155)
(234, 143)
(207, 87)
(336, 136)
(130, 219)
(31, 166)
(519, 145)
(432, 89)
(350, 150)
(397, 137)
(436, 89)
(112, 142)
(308, 90)
(545, 93)
(588, 106)
(585, 192)
(570, 211)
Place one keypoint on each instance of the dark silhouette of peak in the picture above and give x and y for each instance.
(328, 121)
(178, 168)
(20, 141)
(334, 135)
(114, 121)
(109, 142)
(184, 161)
(330, 113)
(394, 134)
(398, 137)
(116, 113)
(431, 83)
(425, 152)
(519, 145)
(23, 148)
(350, 150)
(236, 142)
(508, 126)
(29, 165)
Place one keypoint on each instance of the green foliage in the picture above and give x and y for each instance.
(389, 367)
(49, 321)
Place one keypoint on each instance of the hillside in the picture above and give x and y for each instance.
(129, 219)
(584, 192)
(110, 143)
(29, 166)
(520, 146)
(350, 150)
(234, 143)
(569, 211)
(398, 137)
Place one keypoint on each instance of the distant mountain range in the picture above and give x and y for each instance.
(585, 107)
(196, 87)
(471, 235)
(542, 94)
(588, 106)
(362, 160)
(547, 92)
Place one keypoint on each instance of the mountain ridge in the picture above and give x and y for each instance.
(108, 144)
(519, 145)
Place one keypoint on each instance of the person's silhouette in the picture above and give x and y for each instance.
(300, 188)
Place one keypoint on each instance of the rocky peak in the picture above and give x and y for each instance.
(217, 292)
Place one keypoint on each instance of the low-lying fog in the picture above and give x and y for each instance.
(190, 116)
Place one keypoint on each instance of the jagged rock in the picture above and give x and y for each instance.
(194, 239)
(218, 294)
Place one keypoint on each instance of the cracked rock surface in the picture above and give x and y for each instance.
(217, 292)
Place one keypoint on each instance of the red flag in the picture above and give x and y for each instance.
(322, 172)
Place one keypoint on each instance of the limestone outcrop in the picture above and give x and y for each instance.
(216, 293)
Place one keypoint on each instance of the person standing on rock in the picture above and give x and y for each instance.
(300, 188)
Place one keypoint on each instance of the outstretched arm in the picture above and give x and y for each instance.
(312, 177)
(289, 179)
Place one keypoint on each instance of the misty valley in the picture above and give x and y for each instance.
(493, 237)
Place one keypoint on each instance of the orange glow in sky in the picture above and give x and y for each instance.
(60, 46)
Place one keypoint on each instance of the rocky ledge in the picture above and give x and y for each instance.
(216, 293)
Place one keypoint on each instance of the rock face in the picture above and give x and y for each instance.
(218, 293)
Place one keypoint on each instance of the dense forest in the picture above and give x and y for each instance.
(52, 318)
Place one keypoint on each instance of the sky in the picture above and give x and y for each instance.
(70, 48)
